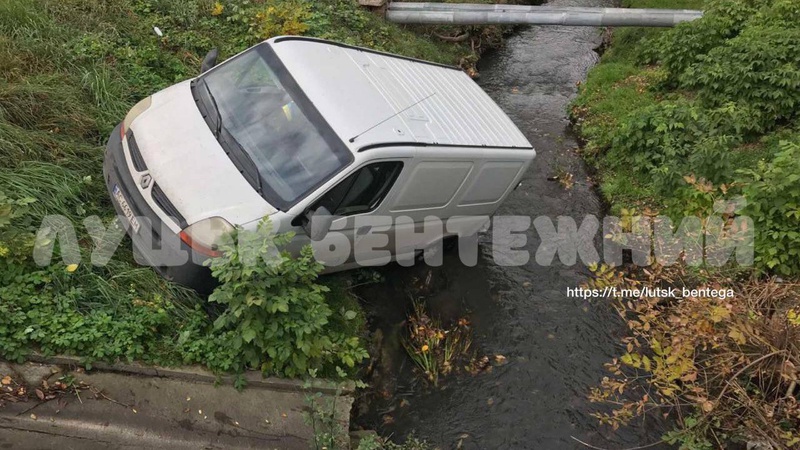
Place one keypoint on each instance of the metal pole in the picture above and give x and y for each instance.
(476, 14)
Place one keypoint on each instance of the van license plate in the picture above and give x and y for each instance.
(126, 210)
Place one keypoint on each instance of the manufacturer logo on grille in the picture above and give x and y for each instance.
(145, 181)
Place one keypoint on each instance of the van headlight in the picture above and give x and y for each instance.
(137, 109)
(207, 235)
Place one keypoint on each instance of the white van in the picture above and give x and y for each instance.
(296, 127)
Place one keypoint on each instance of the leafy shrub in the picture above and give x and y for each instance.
(685, 44)
(276, 310)
(759, 70)
(670, 139)
(286, 17)
(773, 193)
(745, 52)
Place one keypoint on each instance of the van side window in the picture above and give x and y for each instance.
(362, 191)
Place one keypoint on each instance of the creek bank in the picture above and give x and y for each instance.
(684, 123)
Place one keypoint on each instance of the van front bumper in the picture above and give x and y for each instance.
(160, 247)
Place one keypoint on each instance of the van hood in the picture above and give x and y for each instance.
(185, 160)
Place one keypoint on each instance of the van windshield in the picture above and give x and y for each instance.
(266, 125)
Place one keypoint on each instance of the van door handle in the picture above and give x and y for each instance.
(363, 230)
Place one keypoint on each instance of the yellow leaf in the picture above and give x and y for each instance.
(72, 268)
(627, 358)
(719, 313)
(646, 362)
(737, 336)
(217, 9)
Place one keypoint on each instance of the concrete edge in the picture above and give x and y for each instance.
(198, 374)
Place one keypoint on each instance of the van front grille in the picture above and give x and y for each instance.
(163, 202)
(136, 155)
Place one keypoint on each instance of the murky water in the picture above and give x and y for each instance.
(555, 346)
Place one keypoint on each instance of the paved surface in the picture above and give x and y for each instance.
(129, 411)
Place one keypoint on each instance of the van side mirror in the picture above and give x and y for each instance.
(209, 61)
(318, 223)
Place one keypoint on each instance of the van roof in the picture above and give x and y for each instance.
(381, 99)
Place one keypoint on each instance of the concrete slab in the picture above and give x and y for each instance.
(159, 412)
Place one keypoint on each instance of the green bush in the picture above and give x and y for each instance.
(276, 310)
(759, 71)
(673, 138)
(688, 42)
(772, 191)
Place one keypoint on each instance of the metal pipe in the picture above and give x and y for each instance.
(476, 14)
(427, 6)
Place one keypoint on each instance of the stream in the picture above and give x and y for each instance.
(555, 346)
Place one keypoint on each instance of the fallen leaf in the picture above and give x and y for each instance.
(33, 416)
(40, 394)
(134, 410)
(6, 380)
(737, 336)
(72, 268)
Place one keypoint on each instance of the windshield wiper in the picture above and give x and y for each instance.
(241, 151)
(218, 128)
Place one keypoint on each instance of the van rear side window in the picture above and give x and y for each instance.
(362, 191)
